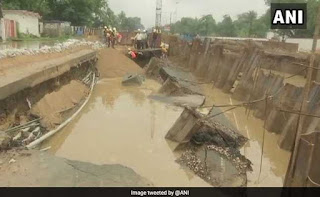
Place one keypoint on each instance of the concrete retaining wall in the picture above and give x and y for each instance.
(245, 68)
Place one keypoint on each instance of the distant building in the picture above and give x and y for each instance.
(27, 22)
(8, 29)
(55, 28)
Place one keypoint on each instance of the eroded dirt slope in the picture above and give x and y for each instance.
(112, 63)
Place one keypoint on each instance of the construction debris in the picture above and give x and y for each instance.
(57, 48)
(133, 79)
(193, 125)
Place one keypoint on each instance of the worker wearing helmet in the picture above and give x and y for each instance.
(105, 31)
(113, 37)
(138, 38)
(145, 39)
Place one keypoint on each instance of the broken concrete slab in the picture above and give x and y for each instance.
(217, 166)
(182, 130)
(133, 79)
(174, 87)
(191, 123)
(185, 80)
(40, 169)
(185, 100)
(30, 75)
(152, 70)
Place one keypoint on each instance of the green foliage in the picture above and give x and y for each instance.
(79, 12)
(128, 23)
(205, 26)
(247, 25)
(226, 27)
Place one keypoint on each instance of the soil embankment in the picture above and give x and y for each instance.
(113, 64)
(52, 106)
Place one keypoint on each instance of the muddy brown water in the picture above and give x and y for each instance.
(120, 125)
(274, 160)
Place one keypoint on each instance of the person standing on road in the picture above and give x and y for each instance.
(155, 36)
(119, 37)
(108, 37)
(138, 39)
(144, 39)
(113, 36)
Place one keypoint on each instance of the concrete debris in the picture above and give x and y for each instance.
(41, 169)
(17, 137)
(190, 159)
(185, 100)
(133, 79)
(57, 48)
(212, 167)
(12, 161)
(241, 162)
(192, 123)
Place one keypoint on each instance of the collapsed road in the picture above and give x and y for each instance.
(201, 115)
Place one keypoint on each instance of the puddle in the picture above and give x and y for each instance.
(26, 44)
(275, 160)
(120, 125)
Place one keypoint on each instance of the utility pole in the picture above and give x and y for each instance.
(158, 13)
(304, 106)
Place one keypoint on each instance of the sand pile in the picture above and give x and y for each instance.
(113, 63)
(51, 107)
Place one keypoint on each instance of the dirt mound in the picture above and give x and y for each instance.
(52, 106)
(113, 63)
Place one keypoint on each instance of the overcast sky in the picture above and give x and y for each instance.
(145, 9)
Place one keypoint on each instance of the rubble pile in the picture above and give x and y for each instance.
(21, 135)
(240, 162)
(194, 163)
(57, 48)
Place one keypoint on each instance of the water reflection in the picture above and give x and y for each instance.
(121, 126)
(25, 44)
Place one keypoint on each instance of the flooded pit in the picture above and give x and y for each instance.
(120, 125)
(275, 160)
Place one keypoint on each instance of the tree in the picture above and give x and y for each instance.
(207, 25)
(122, 20)
(246, 21)
(39, 6)
(1, 14)
(226, 27)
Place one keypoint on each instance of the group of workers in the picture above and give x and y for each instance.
(112, 36)
(142, 39)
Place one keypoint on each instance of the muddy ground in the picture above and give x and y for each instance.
(21, 168)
